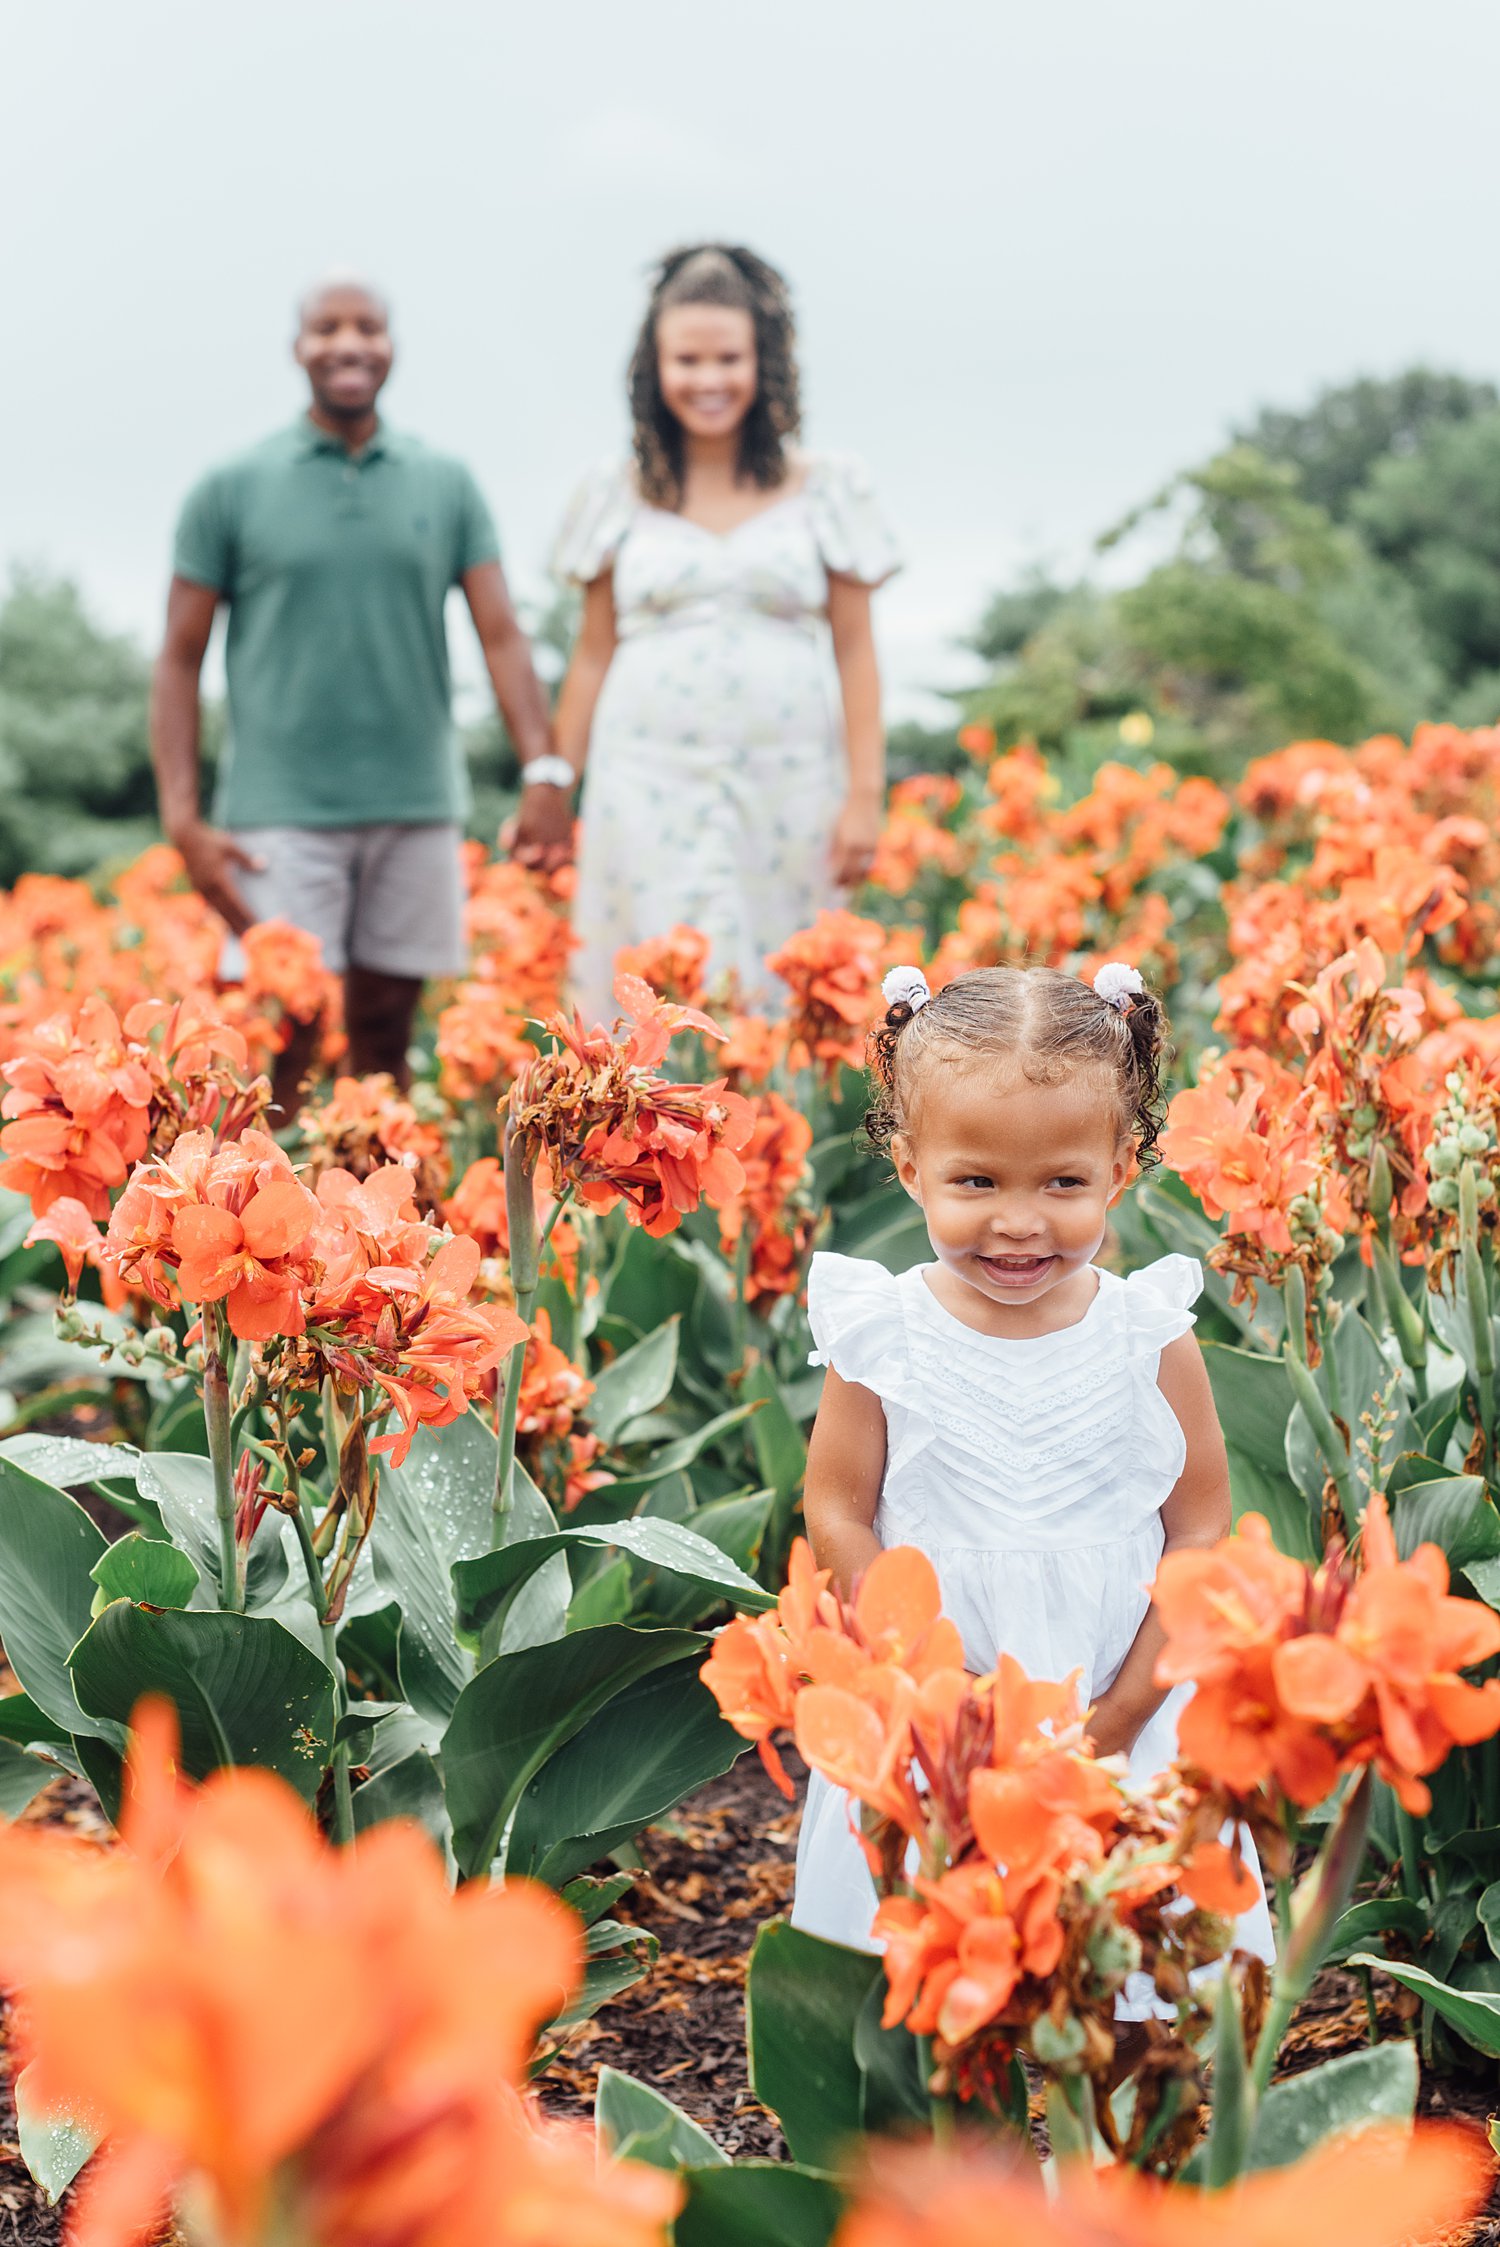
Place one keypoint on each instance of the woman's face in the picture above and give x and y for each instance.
(705, 356)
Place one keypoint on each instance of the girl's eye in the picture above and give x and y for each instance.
(1070, 1181)
(976, 1181)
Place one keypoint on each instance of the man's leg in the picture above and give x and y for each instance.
(379, 1010)
(407, 926)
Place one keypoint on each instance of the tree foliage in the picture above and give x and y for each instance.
(1337, 443)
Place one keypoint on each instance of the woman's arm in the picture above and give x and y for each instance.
(858, 830)
(845, 1467)
(1197, 1513)
(544, 830)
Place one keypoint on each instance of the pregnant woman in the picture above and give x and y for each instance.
(727, 782)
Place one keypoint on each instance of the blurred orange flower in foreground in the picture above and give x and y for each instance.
(310, 2042)
(1382, 2187)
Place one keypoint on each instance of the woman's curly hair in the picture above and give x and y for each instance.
(723, 274)
(1046, 1022)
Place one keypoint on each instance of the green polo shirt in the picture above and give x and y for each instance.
(336, 569)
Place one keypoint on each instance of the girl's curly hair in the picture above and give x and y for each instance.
(1046, 1022)
(724, 274)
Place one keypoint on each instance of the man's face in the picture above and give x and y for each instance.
(344, 344)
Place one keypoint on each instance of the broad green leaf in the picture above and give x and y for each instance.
(181, 1485)
(22, 1721)
(245, 1690)
(636, 2123)
(605, 1979)
(1271, 1492)
(489, 1585)
(645, 1750)
(53, 2146)
(1484, 1575)
(673, 1457)
(592, 1898)
(758, 2204)
(48, 1545)
(1381, 1915)
(69, 1461)
(1343, 2095)
(1474, 2014)
(146, 1570)
(893, 2096)
(607, 1596)
(634, 1383)
(802, 2000)
(437, 1509)
(884, 1225)
(521, 1708)
(1254, 1400)
(780, 1456)
(22, 1778)
(411, 1789)
(736, 1525)
(1455, 1513)
(1349, 2093)
(649, 1281)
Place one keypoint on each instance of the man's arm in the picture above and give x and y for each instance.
(523, 705)
(208, 854)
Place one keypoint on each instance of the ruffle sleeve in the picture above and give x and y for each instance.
(854, 1309)
(1157, 1303)
(597, 519)
(854, 538)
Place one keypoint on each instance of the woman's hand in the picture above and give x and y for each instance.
(855, 839)
(542, 836)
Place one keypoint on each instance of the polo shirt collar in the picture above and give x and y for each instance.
(311, 438)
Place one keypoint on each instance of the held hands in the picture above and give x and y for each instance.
(542, 835)
(855, 839)
(209, 856)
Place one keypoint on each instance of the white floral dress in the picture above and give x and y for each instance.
(716, 765)
(1032, 1473)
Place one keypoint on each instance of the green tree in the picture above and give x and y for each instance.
(1337, 442)
(1434, 516)
(76, 787)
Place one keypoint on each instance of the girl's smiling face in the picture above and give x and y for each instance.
(1014, 1179)
(705, 355)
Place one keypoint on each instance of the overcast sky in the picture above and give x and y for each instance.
(1043, 253)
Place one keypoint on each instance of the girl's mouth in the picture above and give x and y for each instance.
(1017, 1271)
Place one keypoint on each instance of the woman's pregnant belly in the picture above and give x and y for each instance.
(745, 684)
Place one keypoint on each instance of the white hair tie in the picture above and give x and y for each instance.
(1117, 985)
(906, 986)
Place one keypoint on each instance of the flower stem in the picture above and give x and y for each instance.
(525, 1275)
(1324, 1896)
(343, 1793)
(221, 1455)
(1477, 1292)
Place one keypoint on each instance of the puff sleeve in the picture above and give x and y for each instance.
(1158, 1301)
(597, 519)
(854, 1309)
(854, 538)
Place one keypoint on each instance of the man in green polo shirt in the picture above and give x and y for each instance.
(341, 800)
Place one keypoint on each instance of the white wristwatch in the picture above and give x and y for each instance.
(550, 772)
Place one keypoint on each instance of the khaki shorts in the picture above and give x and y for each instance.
(388, 897)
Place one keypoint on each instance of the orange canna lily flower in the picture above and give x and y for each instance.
(71, 1230)
(1384, 2187)
(260, 2020)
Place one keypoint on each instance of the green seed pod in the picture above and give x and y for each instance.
(1472, 1140)
(1443, 1158)
(1445, 1194)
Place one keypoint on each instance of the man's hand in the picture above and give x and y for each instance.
(542, 837)
(209, 856)
(855, 840)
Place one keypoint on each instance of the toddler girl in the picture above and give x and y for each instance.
(1042, 1430)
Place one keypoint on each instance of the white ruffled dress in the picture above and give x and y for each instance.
(716, 767)
(1032, 1473)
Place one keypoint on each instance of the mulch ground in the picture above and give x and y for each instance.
(715, 1871)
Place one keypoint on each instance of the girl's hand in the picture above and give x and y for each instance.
(856, 838)
(542, 835)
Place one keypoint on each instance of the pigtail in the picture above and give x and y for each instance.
(1146, 1026)
(882, 1118)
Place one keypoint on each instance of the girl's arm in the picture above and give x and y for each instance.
(859, 824)
(845, 1467)
(1197, 1513)
(544, 830)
